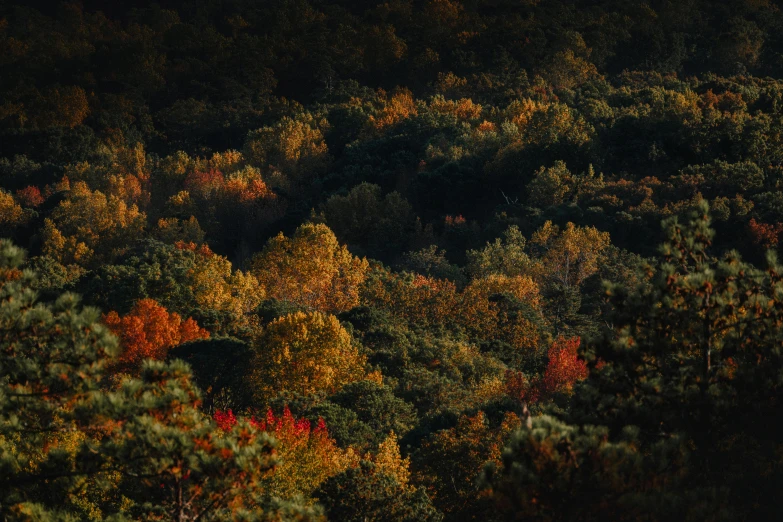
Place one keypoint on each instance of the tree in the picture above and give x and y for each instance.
(308, 456)
(564, 368)
(484, 314)
(311, 268)
(184, 278)
(148, 331)
(90, 228)
(306, 353)
(570, 256)
(364, 217)
(377, 407)
(550, 187)
(505, 256)
(547, 461)
(450, 461)
(221, 370)
(366, 493)
(293, 147)
(12, 215)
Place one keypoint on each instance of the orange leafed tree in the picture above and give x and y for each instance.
(149, 330)
(765, 234)
(564, 369)
(565, 366)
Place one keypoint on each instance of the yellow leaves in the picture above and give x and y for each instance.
(557, 123)
(90, 227)
(484, 318)
(311, 269)
(306, 353)
(12, 214)
(567, 70)
(295, 147)
(463, 109)
(570, 256)
(389, 461)
(217, 287)
(171, 230)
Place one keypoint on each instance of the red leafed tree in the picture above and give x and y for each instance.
(565, 367)
(203, 183)
(519, 387)
(308, 456)
(149, 330)
(29, 196)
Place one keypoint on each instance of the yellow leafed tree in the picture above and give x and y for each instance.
(569, 256)
(305, 353)
(312, 269)
(89, 228)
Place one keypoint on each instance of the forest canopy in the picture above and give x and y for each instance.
(439, 260)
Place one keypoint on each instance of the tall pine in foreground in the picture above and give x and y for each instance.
(76, 446)
(680, 417)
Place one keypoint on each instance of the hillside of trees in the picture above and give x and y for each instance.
(421, 260)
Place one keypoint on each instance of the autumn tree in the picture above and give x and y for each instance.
(292, 151)
(12, 215)
(484, 314)
(89, 227)
(148, 331)
(564, 366)
(307, 454)
(571, 255)
(310, 268)
(305, 353)
(185, 278)
(377, 488)
(424, 301)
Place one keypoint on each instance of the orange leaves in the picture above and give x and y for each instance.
(149, 330)
(765, 234)
(203, 184)
(425, 301)
(565, 367)
(244, 187)
(400, 106)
